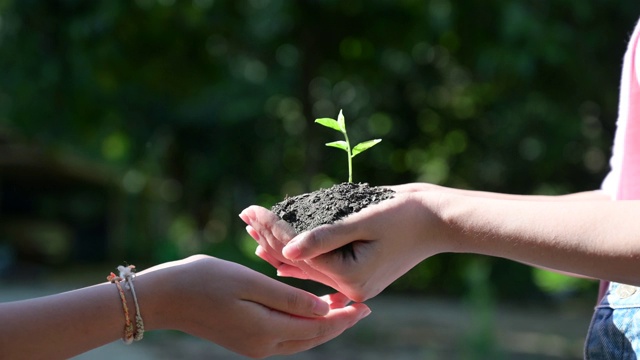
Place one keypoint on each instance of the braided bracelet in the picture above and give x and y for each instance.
(128, 326)
(128, 274)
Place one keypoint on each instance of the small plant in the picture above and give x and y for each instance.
(340, 126)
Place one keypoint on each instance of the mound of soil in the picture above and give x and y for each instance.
(326, 206)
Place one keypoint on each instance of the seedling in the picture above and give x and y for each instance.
(340, 126)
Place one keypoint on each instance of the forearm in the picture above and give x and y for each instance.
(594, 238)
(591, 195)
(64, 325)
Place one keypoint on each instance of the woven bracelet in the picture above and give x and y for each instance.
(128, 274)
(128, 326)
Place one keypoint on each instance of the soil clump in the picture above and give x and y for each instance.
(326, 206)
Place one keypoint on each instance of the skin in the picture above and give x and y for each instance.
(223, 302)
(569, 234)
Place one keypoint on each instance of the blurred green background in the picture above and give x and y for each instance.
(138, 130)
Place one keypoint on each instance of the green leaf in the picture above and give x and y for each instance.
(341, 123)
(330, 123)
(364, 146)
(341, 144)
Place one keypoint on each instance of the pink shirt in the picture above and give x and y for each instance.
(623, 181)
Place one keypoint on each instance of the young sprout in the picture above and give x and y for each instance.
(340, 126)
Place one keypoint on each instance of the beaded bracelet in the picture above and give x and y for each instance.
(128, 326)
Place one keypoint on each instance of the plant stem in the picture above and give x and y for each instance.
(346, 139)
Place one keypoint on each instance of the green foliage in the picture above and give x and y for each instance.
(340, 125)
(558, 284)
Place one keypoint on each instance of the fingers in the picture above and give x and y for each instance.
(272, 234)
(295, 319)
(321, 240)
(264, 225)
(286, 270)
(282, 297)
(261, 231)
(264, 219)
(264, 255)
(308, 333)
(336, 300)
(272, 332)
(270, 248)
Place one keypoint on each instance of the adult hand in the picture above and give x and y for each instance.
(243, 310)
(359, 255)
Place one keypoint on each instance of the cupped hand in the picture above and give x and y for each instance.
(360, 255)
(245, 311)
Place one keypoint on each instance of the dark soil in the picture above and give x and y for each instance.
(326, 206)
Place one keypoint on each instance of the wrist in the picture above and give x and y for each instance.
(156, 292)
(466, 222)
(442, 235)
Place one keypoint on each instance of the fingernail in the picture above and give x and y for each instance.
(245, 216)
(252, 232)
(365, 314)
(321, 308)
(291, 251)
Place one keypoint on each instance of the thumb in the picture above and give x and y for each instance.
(319, 241)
